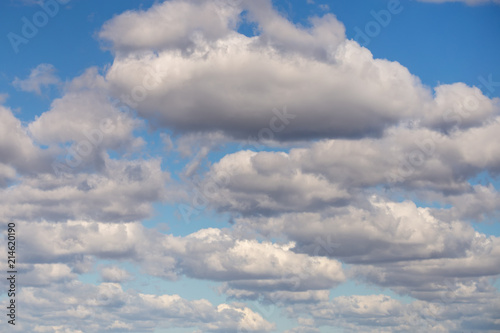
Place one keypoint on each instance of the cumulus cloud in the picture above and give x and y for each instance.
(88, 121)
(114, 274)
(330, 86)
(272, 273)
(107, 307)
(381, 232)
(372, 313)
(268, 182)
(415, 161)
(18, 151)
(88, 196)
(478, 204)
(209, 254)
(426, 279)
(40, 77)
(313, 72)
(253, 265)
(46, 274)
(164, 25)
(458, 105)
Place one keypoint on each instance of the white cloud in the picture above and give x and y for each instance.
(248, 182)
(114, 274)
(480, 204)
(409, 160)
(380, 232)
(165, 25)
(18, 151)
(86, 118)
(88, 196)
(381, 313)
(330, 86)
(75, 307)
(315, 72)
(426, 279)
(209, 254)
(40, 77)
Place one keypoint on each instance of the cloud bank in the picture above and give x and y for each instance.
(367, 177)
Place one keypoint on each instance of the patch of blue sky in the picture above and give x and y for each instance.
(185, 218)
(68, 41)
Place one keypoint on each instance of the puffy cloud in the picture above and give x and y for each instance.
(426, 279)
(368, 313)
(458, 105)
(253, 265)
(6, 173)
(324, 36)
(165, 25)
(406, 157)
(330, 86)
(72, 240)
(76, 307)
(251, 183)
(209, 254)
(319, 96)
(381, 232)
(114, 274)
(381, 313)
(40, 77)
(45, 274)
(480, 203)
(314, 72)
(88, 121)
(413, 161)
(393, 245)
(123, 191)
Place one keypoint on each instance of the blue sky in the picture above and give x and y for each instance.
(334, 161)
